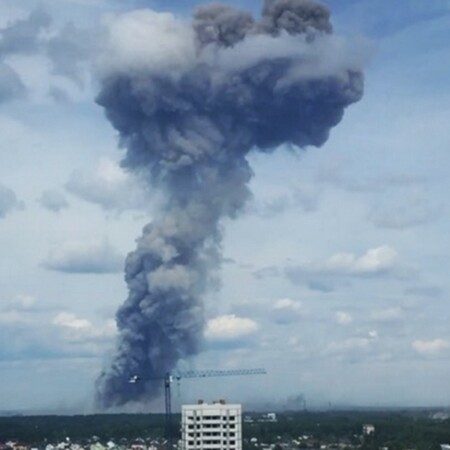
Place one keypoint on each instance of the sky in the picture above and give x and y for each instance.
(335, 276)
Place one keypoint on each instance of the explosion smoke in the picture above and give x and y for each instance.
(189, 109)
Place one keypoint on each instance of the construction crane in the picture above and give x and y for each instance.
(169, 378)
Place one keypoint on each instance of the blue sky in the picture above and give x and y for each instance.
(336, 278)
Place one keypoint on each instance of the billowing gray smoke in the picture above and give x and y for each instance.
(190, 101)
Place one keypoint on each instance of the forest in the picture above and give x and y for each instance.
(394, 429)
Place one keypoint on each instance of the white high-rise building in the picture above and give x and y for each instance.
(216, 426)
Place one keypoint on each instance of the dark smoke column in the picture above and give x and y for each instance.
(187, 117)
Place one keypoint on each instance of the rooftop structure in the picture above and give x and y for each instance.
(216, 426)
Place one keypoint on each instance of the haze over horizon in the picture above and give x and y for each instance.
(334, 274)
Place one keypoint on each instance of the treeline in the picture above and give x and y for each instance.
(40, 429)
(397, 430)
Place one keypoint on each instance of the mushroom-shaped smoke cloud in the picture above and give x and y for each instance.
(190, 101)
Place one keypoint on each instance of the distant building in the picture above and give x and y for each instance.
(440, 415)
(216, 426)
(368, 429)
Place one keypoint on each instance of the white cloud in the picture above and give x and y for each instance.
(85, 257)
(109, 186)
(286, 310)
(77, 329)
(229, 328)
(373, 334)
(343, 318)
(69, 320)
(145, 40)
(40, 332)
(431, 347)
(287, 304)
(376, 262)
(23, 309)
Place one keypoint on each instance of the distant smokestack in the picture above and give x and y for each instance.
(188, 110)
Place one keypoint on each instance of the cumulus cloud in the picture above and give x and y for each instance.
(433, 347)
(373, 334)
(97, 257)
(132, 42)
(109, 187)
(286, 311)
(388, 315)
(23, 303)
(77, 329)
(343, 318)
(22, 36)
(43, 332)
(53, 200)
(36, 54)
(356, 348)
(230, 328)
(21, 310)
(69, 320)
(8, 201)
(376, 262)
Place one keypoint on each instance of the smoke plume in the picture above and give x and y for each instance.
(190, 101)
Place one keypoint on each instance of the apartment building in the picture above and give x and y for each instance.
(216, 426)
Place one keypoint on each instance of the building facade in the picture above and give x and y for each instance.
(216, 426)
